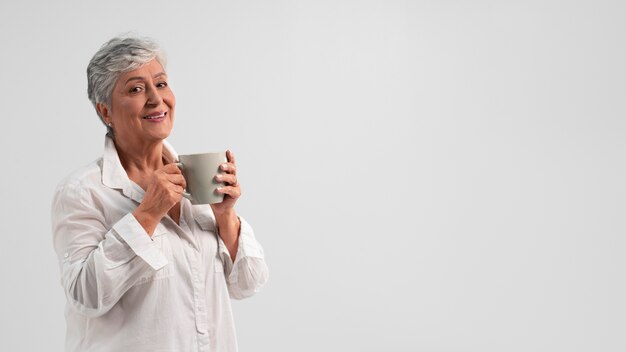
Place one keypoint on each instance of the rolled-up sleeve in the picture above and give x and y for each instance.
(98, 264)
(249, 272)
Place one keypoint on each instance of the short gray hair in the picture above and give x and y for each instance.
(118, 55)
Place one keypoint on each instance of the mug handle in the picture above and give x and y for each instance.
(185, 193)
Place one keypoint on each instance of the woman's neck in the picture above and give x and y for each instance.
(140, 159)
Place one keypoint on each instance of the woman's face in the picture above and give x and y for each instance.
(142, 106)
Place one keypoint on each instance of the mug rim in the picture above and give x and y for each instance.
(196, 154)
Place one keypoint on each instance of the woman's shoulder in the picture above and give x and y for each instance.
(83, 178)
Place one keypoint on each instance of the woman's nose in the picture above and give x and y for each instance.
(154, 98)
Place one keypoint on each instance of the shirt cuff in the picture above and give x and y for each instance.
(248, 246)
(131, 232)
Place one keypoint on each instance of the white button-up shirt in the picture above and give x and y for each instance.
(129, 292)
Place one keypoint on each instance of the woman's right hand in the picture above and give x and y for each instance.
(164, 190)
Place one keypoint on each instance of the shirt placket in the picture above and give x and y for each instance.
(199, 303)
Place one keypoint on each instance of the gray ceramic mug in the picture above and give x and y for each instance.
(199, 171)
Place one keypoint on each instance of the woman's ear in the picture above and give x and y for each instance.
(104, 112)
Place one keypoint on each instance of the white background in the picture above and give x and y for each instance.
(423, 175)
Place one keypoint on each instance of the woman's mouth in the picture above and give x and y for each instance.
(156, 117)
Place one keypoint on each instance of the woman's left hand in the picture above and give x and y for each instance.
(232, 189)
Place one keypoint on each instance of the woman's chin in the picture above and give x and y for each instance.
(161, 132)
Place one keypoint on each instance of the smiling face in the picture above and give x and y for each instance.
(142, 106)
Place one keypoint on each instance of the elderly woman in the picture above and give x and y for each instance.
(142, 268)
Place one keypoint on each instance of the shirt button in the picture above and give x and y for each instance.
(66, 255)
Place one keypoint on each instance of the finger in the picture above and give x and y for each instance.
(171, 169)
(229, 168)
(234, 192)
(178, 189)
(230, 156)
(227, 178)
(177, 179)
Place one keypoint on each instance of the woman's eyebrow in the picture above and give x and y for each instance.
(139, 78)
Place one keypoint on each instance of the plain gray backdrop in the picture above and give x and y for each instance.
(423, 175)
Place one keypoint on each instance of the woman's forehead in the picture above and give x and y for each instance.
(152, 69)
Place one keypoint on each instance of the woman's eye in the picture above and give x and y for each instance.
(162, 84)
(135, 89)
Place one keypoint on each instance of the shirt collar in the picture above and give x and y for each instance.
(113, 173)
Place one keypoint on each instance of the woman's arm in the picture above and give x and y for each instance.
(98, 262)
(228, 226)
(244, 266)
(248, 272)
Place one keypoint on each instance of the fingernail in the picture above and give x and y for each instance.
(219, 177)
(224, 166)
